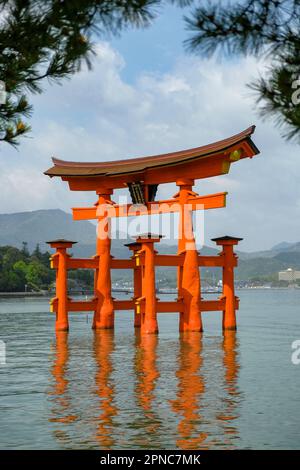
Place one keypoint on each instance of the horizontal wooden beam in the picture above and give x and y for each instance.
(206, 167)
(122, 263)
(161, 306)
(169, 306)
(212, 305)
(215, 305)
(160, 260)
(82, 263)
(211, 261)
(215, 261)
(90, 305)
(92, 263)
(82, 305)
(123, 304)
(210, 201)
(169, 260)
(84, 213)
(218, 164)
(76, 263)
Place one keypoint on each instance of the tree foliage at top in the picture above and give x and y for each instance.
(49, 39)
(269, 28)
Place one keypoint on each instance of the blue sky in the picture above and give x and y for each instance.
(145, 95)
(156, 48)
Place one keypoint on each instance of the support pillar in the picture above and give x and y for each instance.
(149, 314)
(104, 313)
(137, 281)
(188, 275)
(61, 296)
(227, 243)
(96, 273)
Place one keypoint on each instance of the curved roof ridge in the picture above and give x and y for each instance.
(65, 163)
(132, 166)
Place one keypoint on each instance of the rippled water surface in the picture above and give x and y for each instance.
(120, 391)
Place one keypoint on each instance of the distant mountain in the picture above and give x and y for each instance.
(256, 254)
(286, 246)
(282, 246)
(256, 267)
(290, 258)
(43, 225)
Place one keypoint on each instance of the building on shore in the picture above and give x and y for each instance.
(290, 275)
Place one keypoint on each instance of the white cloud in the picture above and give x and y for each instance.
(97, 116)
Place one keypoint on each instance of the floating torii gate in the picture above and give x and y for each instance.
(142, 177)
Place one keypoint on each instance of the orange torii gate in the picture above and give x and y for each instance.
(142, 176)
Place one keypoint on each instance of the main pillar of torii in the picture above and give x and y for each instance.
(188, 279)
(104, 313)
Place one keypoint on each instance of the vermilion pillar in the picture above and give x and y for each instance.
(137, 280)
(149, 314)
(62, 323)
(104, 313)
(227, 243)
(188, 274)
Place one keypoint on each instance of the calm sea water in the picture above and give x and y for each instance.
(116, 390)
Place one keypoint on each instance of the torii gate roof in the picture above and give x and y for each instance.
(162, 168)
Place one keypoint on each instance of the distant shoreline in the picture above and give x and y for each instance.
(16, 295)
(49, 295)
(4, 295)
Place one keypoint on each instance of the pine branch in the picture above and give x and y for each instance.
(259, 27)
(49, 40)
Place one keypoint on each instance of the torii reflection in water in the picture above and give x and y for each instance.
(59, 393)
(230, 348)
(147, 375)
(104, 344)
(190, 388)
(202, 419)
(197, 425)
(64, 409)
